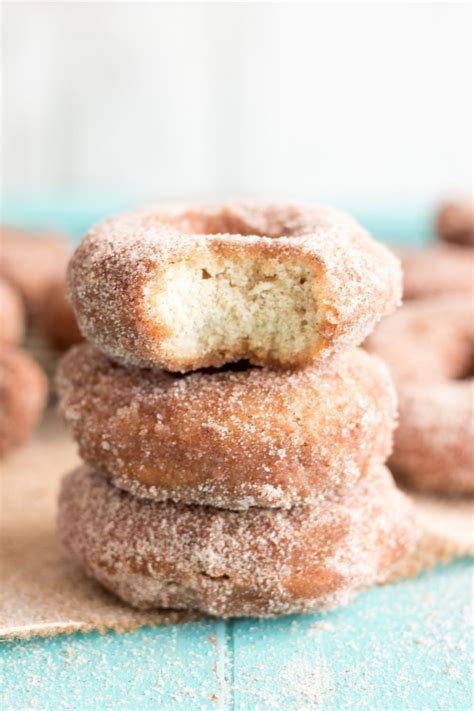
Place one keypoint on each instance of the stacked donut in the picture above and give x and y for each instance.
(233, 434)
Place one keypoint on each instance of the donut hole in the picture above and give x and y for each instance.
(266, 221)
(240, 308)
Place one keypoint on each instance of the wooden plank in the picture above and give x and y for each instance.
(404, 646)
(175, 667)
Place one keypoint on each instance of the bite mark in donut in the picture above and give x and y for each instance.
(237, 306)
(186, 288)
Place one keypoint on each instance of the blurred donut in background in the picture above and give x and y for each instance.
(31, 262)
(455, 222)
(437, 270)
(34, 264)
(23, 392)
(33, 312)
(56, 319)
(12, 316)
(429, 348)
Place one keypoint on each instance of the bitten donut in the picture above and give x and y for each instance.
(231, 439)
(429, 347)
(56, 318)
(12, 317)
(260, 562)
(187, 288)
(23, 391)
(31, 262)
(455, 222)
(434, 271)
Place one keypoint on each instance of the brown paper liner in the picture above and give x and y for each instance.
(45, 593)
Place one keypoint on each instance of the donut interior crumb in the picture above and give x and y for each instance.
(263, 307)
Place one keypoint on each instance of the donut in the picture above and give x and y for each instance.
(434, 448)
(56, 318)
(429, 347)
(185, 288)
(233, 438)
(31, 262)
(434, 271)
(12, 318)
(23, 391)
(455, 222)
(260, 562)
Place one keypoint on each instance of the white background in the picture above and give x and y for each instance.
(366, 101)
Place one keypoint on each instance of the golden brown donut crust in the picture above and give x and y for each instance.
(31, 262)
(437, 271)
(231, 439)
(23, 391)
(124, 262)
(260, 562)
(12, 317)
(455, 222)
(429, 348)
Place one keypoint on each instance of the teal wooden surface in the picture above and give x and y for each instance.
(406, 646)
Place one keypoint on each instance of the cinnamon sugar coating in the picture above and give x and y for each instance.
(185, 288)
(259, 562)
(31, 262)
(429, 347)
(23, 391)
(435, 271)
(230, 439)
(455, 222)
(12, 317)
